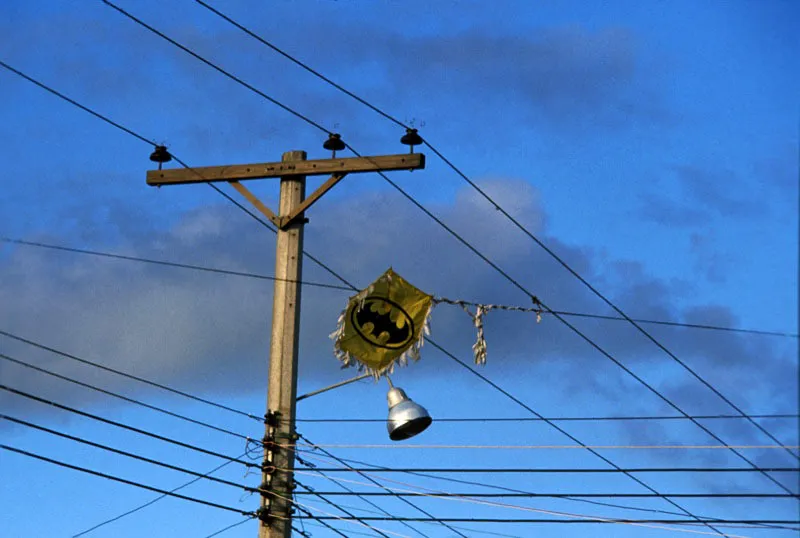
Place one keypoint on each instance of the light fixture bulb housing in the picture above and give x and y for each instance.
(406, 417)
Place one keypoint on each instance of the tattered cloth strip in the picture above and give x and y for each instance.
(383, 325)
(479, 348)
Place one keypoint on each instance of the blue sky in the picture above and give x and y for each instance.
(651, 145)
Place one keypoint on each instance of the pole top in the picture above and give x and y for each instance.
(295, 155)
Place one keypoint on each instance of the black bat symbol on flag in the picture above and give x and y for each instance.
(375, 313)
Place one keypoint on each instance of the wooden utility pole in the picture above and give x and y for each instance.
(275, 514)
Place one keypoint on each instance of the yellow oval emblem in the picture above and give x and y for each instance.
(382, 323)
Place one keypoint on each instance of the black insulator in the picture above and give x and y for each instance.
(411, 138)
(160, 155)
(334, 142)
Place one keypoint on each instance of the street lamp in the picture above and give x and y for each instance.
(406, 417)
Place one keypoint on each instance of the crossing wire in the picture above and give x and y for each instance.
(479, 254)
(561, 419)
(127, 454)
(369, 502)
(378, 469)
(126, 427)
(505, 213)
(528, 470)
(362, 473)
(338, 507)
(196, 267)
(260, 276)
(123, 480)
(449, 354)
(124, 398)
(577, 521)
(152, 501)
(127, 375)
(255, 217)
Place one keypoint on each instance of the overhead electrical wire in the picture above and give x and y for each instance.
(488, 261)
(550, 447)
(339, 507)
(457, 236)
(124, 398)
(447, 353)
(377, 468)
(560, 419)
(152, 501)
(497, 206)
(365, 475)
(355, 519)
(128, 376)
(131, 455)
(260, 276)
(572, 470)
(229, 527)
(473, 500)
(557, 495)
(193, 267)
(264, 223)
(368, 501)
(123, 480)
(577, 521)
(378, 511)
(127, 427)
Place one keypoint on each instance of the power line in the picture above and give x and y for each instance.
(343, 510)
(510, 218)
(128, 376)
(124, 398)
(551, 447)
(560, 419)
(362, 473)
(467, 495)
(128, 454)
(124, 481)
(77, 104)
(229, 527)
(442, 349)
(608, 302)
(217, 68)
(153, 501)
(580, 521)
(309, 515)
(127, 427)
(311, 490)
(377, 468)
(487, 260)
(301, 64)
(170, 264)
(260, 276)
(473, 500)
(528, 470)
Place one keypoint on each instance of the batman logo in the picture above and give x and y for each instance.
(382, 323)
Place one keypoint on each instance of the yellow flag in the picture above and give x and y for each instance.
(383, 324)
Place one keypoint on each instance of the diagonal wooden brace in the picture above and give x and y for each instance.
(305, 204)
(267, 212)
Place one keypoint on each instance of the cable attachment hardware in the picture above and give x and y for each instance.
(264, 516)
(272, 418)
(160, 155)
(268, 468)
(334, 143)
(411, 138)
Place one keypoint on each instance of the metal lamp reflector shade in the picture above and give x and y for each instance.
(406, 418)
